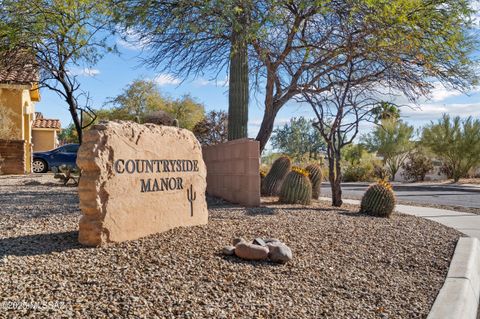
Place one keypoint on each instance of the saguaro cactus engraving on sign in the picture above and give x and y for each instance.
(191, 196)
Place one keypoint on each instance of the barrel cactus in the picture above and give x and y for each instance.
(272, 183)
(378, 200)
(297, 188)
(315, 175)
(262, 174)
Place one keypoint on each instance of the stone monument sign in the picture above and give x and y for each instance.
(139, 180)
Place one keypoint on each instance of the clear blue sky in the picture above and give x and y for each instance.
(110, 76)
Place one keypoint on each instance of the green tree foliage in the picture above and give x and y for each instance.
(186, 110)
(353, 153)
(63, 37)
(385, 111)
(299, 140)
(456, 142)
(68, 135)
(393, 141)
(212, 129)
(295, 46)
(141, 97)
(136, 99)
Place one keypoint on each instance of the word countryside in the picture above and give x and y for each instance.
(154, 166)
(139, 166)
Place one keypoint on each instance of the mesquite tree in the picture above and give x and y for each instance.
(339, 113)
(295, 46)
(299, 139)
(61, 36)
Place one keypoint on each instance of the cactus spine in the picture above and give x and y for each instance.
(272, 183)
(378, 200)
(315, 175)
(297, 188)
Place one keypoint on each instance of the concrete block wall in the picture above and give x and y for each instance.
(233, 171)
(12, 157)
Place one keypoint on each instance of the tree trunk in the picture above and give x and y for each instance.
(266, 128)
(393, 173)
(392, 168)
(69, 90)
(334, 176)
(72, 107)
(337, 185)
(238, 92)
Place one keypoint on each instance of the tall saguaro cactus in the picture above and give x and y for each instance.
(238, 93)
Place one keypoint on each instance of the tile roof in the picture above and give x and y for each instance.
(46, 123)
(16, 68)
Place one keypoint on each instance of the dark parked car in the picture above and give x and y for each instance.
(63, 155)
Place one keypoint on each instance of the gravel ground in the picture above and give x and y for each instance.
(346, 265)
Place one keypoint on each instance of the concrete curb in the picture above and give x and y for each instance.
(459, 296)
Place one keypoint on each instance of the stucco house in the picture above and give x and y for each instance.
(18, 94)
(45, 133)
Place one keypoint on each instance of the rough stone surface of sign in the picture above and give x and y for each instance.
(139, 180)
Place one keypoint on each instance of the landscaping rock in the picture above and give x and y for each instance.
(237, 240)
(259, 241)
(279, 252)
(272, 240)
(228, 250)
(251, 251)
(139, 180)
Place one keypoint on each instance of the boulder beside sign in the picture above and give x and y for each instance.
(139, 180)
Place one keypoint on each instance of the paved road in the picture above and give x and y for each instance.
(450, 195)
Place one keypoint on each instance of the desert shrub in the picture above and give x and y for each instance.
(66, 173)
(417, 166)
(379, 171)
(456, 142)
(358, 172)
(213, 129)
(360, 169)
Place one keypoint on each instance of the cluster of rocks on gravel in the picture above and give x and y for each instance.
(345, 265)
(259, 249)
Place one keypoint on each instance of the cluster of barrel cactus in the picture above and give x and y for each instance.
(378, 200)
(297, 188)
(272, 183)
(315, 175)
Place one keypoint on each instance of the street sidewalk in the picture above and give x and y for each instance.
(467, 223)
